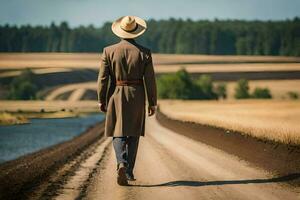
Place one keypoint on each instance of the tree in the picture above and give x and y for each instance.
(164, 36)
(242, 89)
(293, 95)
(221, 90)
(22, 87)
(261, 93)
(176, 86)
(205, 83)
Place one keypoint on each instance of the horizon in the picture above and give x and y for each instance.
(36, 12)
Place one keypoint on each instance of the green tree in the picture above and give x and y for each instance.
(22, 87)
(221, 90)
(261, 93)
(164, 36)
(205, 83)
(242, 89)
(176, 86)
(293, 95)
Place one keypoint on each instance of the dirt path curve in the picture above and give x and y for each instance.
(171, 166)
(79, 87)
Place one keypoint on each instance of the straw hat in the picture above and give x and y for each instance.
(129, 27)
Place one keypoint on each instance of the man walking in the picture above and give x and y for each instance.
(126, 74)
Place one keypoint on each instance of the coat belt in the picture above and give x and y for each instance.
(129, 82)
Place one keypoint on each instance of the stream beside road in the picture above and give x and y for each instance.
(18, 140)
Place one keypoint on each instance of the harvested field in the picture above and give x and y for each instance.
(275, 120)
(13, 73)
(92, 60)
(240, 67)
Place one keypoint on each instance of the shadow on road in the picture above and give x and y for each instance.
(286, 178)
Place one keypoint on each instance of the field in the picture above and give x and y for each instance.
(48, 106)
(163, 62)
(78, 91)
(19, 112)
(275, 120)
(213, 160)
(54, 67)
(62, 74)
(278, 88)
(91, 60)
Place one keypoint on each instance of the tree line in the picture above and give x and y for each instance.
(218, 37)
(180, 85)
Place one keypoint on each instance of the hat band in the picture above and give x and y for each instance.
(136, 26)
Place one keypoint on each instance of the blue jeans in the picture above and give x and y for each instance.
(126, 149)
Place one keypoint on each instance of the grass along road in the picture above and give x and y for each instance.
(276, 120)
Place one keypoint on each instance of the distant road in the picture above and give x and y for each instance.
(171, 166)
(77, 90)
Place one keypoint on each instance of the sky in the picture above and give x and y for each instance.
(96, 12)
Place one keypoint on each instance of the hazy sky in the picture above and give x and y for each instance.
(85, 12)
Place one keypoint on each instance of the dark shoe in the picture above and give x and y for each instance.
(122, 179)
(130, 177)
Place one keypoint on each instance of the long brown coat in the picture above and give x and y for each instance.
(126, 60)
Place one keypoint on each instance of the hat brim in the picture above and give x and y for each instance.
(117, 30)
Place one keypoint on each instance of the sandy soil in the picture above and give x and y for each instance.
(172, 166)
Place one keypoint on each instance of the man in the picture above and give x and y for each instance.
(126, 74)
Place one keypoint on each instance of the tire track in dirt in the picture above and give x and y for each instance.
(172, 166)
(76, 185)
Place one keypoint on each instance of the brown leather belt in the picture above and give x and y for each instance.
(129, 82)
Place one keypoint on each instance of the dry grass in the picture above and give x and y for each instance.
(163, 62)
(48, 106)
(275, 120)
(9, 119)
(12, 73)
(41, 60)
(12, 118)
(278, 88)
(184, 58)
(236, 67)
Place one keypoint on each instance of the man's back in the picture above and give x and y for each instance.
(127, 60)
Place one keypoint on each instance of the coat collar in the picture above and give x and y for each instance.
(131, 41)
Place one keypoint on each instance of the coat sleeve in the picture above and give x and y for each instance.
(103, 78)
(150, 82)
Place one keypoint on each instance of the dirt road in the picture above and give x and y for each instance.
(171, 166)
